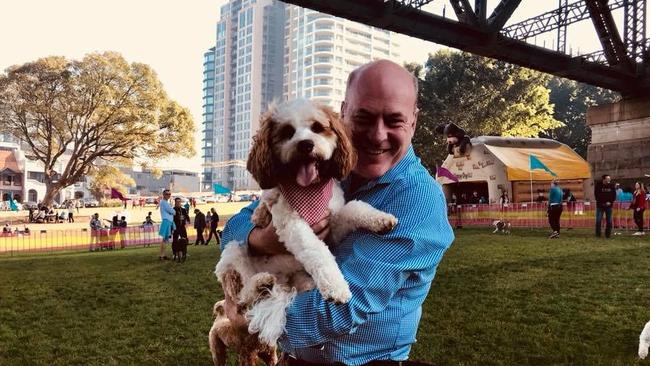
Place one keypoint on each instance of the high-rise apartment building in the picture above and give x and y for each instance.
(321, 50)
(242, 75)
(267, 51)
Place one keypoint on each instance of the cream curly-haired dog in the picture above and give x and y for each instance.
(300, 151)
(644, 341)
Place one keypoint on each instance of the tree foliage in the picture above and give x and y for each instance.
(571, 100)
(481, 95)
(97, 110)
(105, 177)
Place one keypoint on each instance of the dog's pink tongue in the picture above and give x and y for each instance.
(307, 174)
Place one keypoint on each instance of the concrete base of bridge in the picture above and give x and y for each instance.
(620, 140)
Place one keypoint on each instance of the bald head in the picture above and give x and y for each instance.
(383, 69)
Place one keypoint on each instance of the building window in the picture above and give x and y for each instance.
(32, 195)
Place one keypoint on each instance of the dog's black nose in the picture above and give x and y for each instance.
(306, 146)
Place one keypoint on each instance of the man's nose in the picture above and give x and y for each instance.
(306, 146)
(378, 132)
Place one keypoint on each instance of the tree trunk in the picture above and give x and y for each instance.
(51, 191)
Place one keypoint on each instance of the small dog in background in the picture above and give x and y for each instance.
(501, 226)
(644, 341)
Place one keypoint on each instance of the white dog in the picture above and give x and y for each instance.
(300, 150)
(644, 341)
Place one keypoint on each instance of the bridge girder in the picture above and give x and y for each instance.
(478, 36)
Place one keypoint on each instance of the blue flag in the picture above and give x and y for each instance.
(535, 163)
(219, 189)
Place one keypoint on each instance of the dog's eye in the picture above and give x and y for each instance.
(286, 132)
(316, 127)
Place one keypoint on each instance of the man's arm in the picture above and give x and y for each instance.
(377, 267)
(238, 227)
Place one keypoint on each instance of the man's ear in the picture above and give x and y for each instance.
(342, 114)
(416, 113)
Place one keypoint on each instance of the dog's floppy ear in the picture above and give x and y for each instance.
(261, 160)
(344, 157)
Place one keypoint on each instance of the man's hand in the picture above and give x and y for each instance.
(322, 228)
(265, 241)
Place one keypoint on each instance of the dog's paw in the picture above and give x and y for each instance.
(383, 223)
(337, 294)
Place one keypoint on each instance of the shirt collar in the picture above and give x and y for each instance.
(390, 176)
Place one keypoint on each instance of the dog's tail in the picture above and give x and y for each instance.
(644, 341)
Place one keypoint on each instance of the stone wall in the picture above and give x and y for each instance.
(620, 140)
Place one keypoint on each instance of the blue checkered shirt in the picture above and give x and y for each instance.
(389, 275)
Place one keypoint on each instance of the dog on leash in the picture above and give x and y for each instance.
(501, 226)
(300, 152)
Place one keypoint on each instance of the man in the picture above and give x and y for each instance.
(199, 225)
(166, 222)
(554, 209)
(95, 231)
(475, 199)
(179, 236)
(214, 223)
(540, 196)
(605, 193)
(389, 275)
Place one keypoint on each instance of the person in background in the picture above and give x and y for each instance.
(214, 223)
(554, 209)
(95, 231)
(199, 225)
(504, 200)
(605, 194)
(166, 222)
(619, 192)
(148, 221)
(638, 205)
(122, 224)
(540, 196)
(475, 198)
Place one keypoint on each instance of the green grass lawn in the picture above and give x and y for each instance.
(497, 300)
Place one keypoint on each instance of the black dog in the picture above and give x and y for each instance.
(456, 137)
(179, 247)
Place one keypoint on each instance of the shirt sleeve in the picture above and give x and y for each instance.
(377, 268)
(239, 226)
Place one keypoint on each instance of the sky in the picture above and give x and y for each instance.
(171, 37)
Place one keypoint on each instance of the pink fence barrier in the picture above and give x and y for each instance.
(533, 215)
(81, 239)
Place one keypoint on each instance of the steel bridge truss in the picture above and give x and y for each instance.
(623, 64)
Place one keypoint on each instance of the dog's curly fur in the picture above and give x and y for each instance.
(270, 283)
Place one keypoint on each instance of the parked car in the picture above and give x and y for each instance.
(30, 205)
(90, 202)
(151, 201)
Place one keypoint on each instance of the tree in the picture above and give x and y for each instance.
(483, 96)
(97, 111)
(105, 177)
(571, 100)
